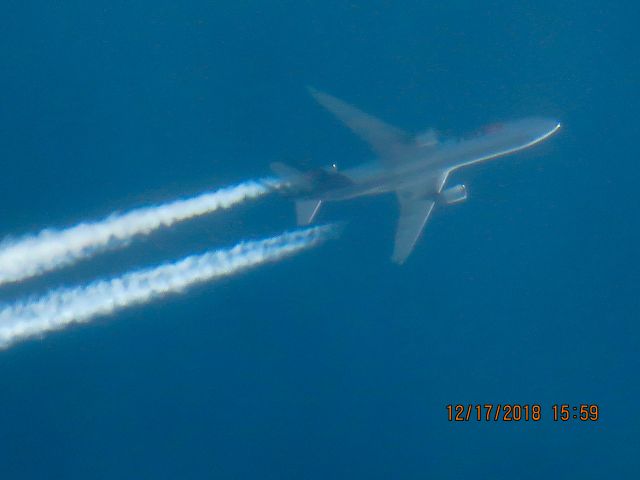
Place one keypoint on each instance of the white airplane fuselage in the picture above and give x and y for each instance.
(419, 165)
(415, 169)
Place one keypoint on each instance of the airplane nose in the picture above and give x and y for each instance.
(551, 129)
(539, 129)
(549, 126)
(539, 126)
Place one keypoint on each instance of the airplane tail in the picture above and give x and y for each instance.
(285, 171)
(306, 209)
(294, 177)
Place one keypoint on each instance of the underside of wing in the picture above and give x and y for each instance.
(387, 141)
(416, 205)
(413, 217)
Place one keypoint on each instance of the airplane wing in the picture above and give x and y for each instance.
(413, 217)
(387, 141)
(416, 205)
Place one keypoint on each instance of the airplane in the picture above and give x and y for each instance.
(415, 168)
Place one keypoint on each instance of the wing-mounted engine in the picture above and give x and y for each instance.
(453, 195)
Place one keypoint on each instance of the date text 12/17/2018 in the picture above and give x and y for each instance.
(515, 412)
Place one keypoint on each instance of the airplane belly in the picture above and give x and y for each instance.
(425, 178)
(350, 193)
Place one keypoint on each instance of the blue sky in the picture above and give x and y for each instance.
(336, 362)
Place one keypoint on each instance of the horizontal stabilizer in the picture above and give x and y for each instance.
(284, 171)
(306, 210)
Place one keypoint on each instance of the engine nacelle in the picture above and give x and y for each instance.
(455, 194)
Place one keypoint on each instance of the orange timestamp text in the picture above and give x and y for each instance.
(517, 412)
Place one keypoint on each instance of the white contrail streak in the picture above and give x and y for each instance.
(50, 249)
(62, 307)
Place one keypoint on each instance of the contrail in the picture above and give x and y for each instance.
(51, 249)
(65, 306)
